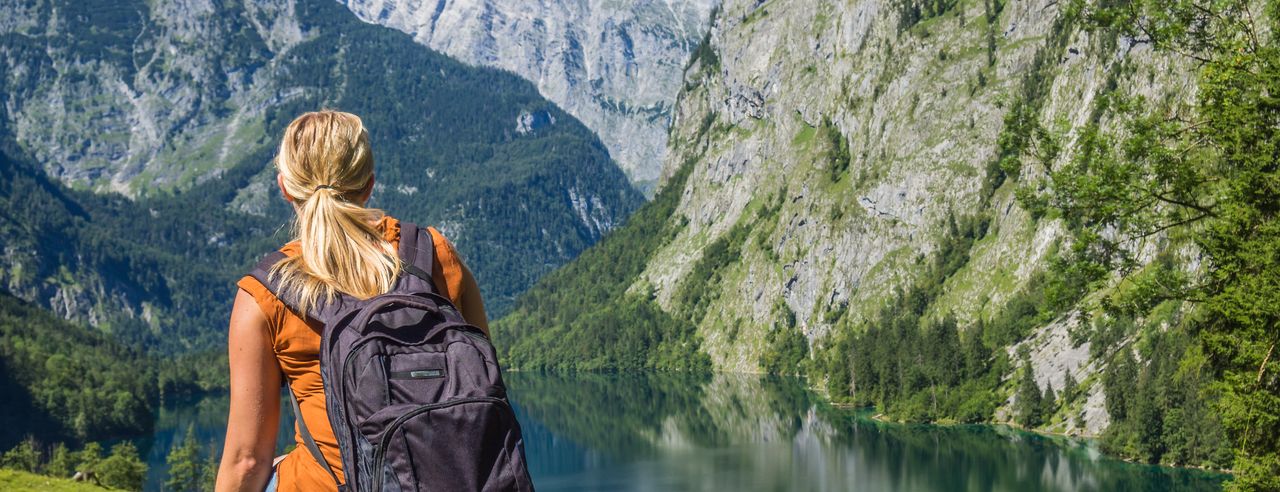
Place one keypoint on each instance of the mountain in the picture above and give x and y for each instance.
(140, 98)
(614, 65)
(178, 105)
(929, 207)
(814, 175)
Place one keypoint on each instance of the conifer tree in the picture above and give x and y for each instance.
(1028, 404)
(186, 466)
(123, 469)
(89, 458)
(210, 468)
(1069, 389)
(1048, 403)
(61, 462)
(1118, 381)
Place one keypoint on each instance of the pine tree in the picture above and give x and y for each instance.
(1069, 389)
(61, 462)
(210, 468)
(976, 354)
(123, 469)
(89, 458)
(1048, 403)
(1028, 404)
(1119, 381)
(186, 467)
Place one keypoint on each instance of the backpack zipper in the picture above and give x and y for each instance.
(379, 456)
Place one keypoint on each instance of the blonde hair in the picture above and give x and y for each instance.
(326, 165)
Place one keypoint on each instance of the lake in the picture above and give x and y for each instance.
(656, 431)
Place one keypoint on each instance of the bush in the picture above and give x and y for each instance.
(25, 456)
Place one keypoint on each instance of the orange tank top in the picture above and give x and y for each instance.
(296, 343)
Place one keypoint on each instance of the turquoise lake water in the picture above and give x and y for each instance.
(658, 432)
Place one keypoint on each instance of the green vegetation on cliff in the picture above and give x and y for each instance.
(583, 316)
(1113, 272)
(1200, 176)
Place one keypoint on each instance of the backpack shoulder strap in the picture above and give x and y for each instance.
(417, 251)
(307, 440)
(262, 272)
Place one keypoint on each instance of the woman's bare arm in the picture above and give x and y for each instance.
(255, 401)
(472, 303)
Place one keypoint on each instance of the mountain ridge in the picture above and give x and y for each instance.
(615, 66)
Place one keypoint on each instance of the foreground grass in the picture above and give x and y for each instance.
(19, 481)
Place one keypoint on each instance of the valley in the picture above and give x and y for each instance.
(1033, 216)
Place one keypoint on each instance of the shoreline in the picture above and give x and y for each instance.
(1083, 439)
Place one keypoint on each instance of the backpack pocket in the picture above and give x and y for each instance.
(380, 380)
(416, 378)
(462, 444)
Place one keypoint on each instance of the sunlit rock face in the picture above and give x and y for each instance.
(614, 65)
(837, 141)
(137, 97)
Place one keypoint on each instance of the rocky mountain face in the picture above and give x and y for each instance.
(614, 65)
(178, 106)
(135, 97)
(873, 132)
(826, 150)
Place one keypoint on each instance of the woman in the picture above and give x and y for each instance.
(326, 172)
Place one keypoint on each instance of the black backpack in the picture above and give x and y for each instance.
(413, 392)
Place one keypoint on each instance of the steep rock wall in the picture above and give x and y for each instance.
(614, 65)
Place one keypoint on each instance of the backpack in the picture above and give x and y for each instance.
(414, 393)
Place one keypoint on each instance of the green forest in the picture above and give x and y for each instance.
(64, 381)
(564, 322)
(1205, 175)
(64, 384)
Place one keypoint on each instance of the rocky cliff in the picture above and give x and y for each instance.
(830, 155)
(614, 65)
(138, 98)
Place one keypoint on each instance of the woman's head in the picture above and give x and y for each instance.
(326, 171)
(325, 152)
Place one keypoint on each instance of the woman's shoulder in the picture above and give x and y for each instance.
(446, 254)
(271, 307)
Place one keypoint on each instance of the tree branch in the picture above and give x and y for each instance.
(1265, 360)
(1168, 226)
(1173, 201)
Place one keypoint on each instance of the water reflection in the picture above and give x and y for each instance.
(207, 417)
(661, 431)
(742, 432)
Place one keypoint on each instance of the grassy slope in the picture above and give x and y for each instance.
(20, 481)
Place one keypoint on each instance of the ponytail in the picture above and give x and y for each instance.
(326, 166)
